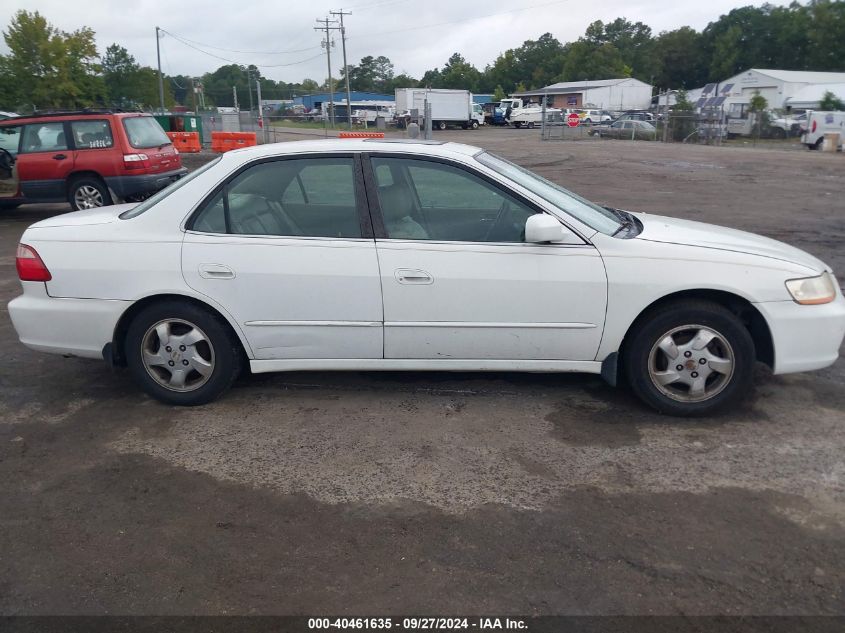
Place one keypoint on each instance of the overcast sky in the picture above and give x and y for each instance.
(415, 34)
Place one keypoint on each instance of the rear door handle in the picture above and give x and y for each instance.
(413, 276)
(216, 271)
(59, 157)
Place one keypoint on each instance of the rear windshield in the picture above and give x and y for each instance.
(153, 200)
(144, 131)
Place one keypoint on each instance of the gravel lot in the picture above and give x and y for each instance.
(367, 493)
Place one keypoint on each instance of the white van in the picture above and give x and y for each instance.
(820, 123)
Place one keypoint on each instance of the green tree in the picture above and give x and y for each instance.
(49, 68)
(499, 93)
(131, 86)
(757, 105)
(680, 56)
(830, 102)
(538, 62)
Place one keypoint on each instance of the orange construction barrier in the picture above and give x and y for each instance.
(225, 141)
(362, 135)
(186, 142)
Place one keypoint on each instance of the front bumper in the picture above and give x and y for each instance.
(127, 186)
(805, 337)
(73, 327)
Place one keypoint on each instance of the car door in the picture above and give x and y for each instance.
(10, 138)
(458, 280)
(45, 161)
(285, 246)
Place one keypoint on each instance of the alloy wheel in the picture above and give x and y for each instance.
(691, 363)
(88, 197)
(177, 355)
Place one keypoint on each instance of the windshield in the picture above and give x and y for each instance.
(153, 200)
(592, 215)
(144, 131)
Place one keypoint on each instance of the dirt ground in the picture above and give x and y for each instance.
(368, 493)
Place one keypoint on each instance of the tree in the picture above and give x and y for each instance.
(757, 105)
(680, 56)
(130, 86)
(309, 85)
(49, 68)
(830, 102)
(537, 61)
(499, 93)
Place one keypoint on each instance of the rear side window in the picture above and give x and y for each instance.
(43, 137)
(91, 134)
(308, 197)
(144, 132)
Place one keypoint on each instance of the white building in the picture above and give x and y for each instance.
(809, 97)
(777, 86)
(606, 94)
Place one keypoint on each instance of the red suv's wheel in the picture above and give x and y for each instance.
(88, 192)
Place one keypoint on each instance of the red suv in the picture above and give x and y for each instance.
(89, 158)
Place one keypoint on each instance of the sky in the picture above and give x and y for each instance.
(278, 35)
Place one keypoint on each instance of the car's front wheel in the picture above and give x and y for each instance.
(689, 358)
(88, 192)
(182, 354)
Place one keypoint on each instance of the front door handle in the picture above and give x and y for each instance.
(216, 271)
(413, 276)
(59, 157)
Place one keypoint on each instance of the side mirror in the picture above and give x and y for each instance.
(541, 227)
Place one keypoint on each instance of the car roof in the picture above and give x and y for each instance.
(329, 145)
(69, 114)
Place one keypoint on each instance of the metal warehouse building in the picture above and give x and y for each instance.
(609, 94)
(777, 86)
(316, 100)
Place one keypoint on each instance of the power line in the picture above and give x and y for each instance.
(232, 61)
(232, 50)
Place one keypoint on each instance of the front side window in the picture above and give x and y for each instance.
(44, 137)
(10, 139)
(309, 197)
(425, 200)
(592, 215)
(91, 134)
(144, 132)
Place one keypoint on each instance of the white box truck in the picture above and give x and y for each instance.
(448, 107)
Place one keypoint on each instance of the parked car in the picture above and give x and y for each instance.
(88, 158)
(639, 130)
(592, 117)
(7, 115)
(385, 255)
(636, 115)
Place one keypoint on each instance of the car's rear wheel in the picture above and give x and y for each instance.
(474, 125)
(441, 125)
(88, 192)
(180, 353)
(689, 358)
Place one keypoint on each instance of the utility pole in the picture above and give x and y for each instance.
(249, 90)
(260, 111)
(235, 96)
(327, 44)
(160, 76)
(340, 14)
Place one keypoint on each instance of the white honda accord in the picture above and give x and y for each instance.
(380, 255)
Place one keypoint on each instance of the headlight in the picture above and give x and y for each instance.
(813, 290)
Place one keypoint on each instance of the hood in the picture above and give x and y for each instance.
(657, 228)
(100, 215)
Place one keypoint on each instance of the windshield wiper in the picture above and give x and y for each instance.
(627, 221)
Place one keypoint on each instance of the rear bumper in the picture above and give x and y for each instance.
(74, 327)
(125, 186)
(804, 337)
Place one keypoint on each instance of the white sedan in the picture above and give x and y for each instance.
(379, 255)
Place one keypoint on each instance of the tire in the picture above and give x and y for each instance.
(441, 125)
(474, 125)
(88, 192)
(721, 371)
(217, 351)
(531, 125)
(778, 133)
(518, 125)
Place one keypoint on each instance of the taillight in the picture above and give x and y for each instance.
(136, 161)
(30, 266)
(814, 127)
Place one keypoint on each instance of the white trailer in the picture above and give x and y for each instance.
(448, 107)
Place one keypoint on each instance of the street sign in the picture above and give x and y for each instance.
(573, 120)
